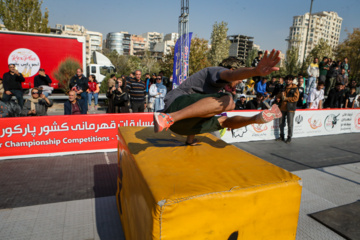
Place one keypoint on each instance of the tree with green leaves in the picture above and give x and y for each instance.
(350, 48)
(24, 15)
(251, 56)
(292, 65)
(65, 71)
(167, 63)
(322, 49)
(220, 45)
(198, 55)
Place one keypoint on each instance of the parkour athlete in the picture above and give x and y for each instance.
(191, 108)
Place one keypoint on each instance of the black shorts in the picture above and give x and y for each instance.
(193, 126)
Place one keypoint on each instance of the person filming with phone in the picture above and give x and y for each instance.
(37, 104)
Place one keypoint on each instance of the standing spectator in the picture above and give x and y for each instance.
(260, 87)
(270, 86)
(335, 97)
(157, 94)
(43, 82)
(93, 90)
(313, 72)
(300, 103)
(119, 95)
(165, 81)
(153, 78)
(342, 78)
(316, 97)
(345, 65)
(289, 98)
(37, 104)
(255, 62)
(323, 69)
(350, 98)
(4, 112)
(241, 103)
(79, 83)
(1, 88)
(137, 90)
(257, 103)
(12, 85)
(74, 106)
(112, 80)
(331, 78)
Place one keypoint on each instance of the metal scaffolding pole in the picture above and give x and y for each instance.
(184, 32)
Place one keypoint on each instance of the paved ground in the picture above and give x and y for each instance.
(72, 197)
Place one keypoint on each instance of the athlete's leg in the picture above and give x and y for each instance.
(204, 108)
(240, 121)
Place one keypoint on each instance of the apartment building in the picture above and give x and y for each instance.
(240, 46)
(322, 25)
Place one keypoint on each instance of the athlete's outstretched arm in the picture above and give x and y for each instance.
(264, 67)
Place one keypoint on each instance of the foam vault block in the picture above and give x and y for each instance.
(167, 190)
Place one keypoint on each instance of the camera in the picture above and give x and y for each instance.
(40, 91)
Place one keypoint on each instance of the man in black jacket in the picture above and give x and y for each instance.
(335, 97)
(43, 82)
(12, 85)
(79, 84)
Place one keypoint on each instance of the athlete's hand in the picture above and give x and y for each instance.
(268, 63)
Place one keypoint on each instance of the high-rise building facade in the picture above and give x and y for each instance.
(240, 46)
(93, 39)
(322, 25)
(137, 45)
(119, 41)
(151, 39)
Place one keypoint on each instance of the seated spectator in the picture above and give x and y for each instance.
(1, 88)
(231, 88)
(335, 98)
(260, 87)
(353, 84)
(4, 112)
(241, 103)
(240, 87)
(250, 87)
(279, 87)
(119, 96)
(74, 106)
(350, 98)
(276, 100)
(316, 96)
(43, 82)
(37, 104)
(270, 86)
(257, 103)
(93, 90)
(157, 94)
(300, 104)
(342, 78)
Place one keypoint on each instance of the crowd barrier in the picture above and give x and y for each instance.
(60, 135)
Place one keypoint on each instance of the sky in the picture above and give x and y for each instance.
(267, 21)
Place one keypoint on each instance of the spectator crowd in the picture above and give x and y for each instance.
(327, 86)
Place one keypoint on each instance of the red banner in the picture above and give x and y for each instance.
(58, 135)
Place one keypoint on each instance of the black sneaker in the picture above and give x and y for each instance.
(288, 140)
(280, 139)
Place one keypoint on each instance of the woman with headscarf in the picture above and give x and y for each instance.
(250, 87)
(157, 94)
(118, 94)
(37, 104)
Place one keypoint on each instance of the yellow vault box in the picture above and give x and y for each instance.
(167, 190)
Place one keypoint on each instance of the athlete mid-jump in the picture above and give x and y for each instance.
(192, 107)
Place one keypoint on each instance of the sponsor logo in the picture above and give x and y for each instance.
(299, 119)
(330, 122)
(25, 60)
(357, 121)
(259, 127)
(239, 132)
(315, 122)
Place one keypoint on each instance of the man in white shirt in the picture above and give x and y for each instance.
(316, 96)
